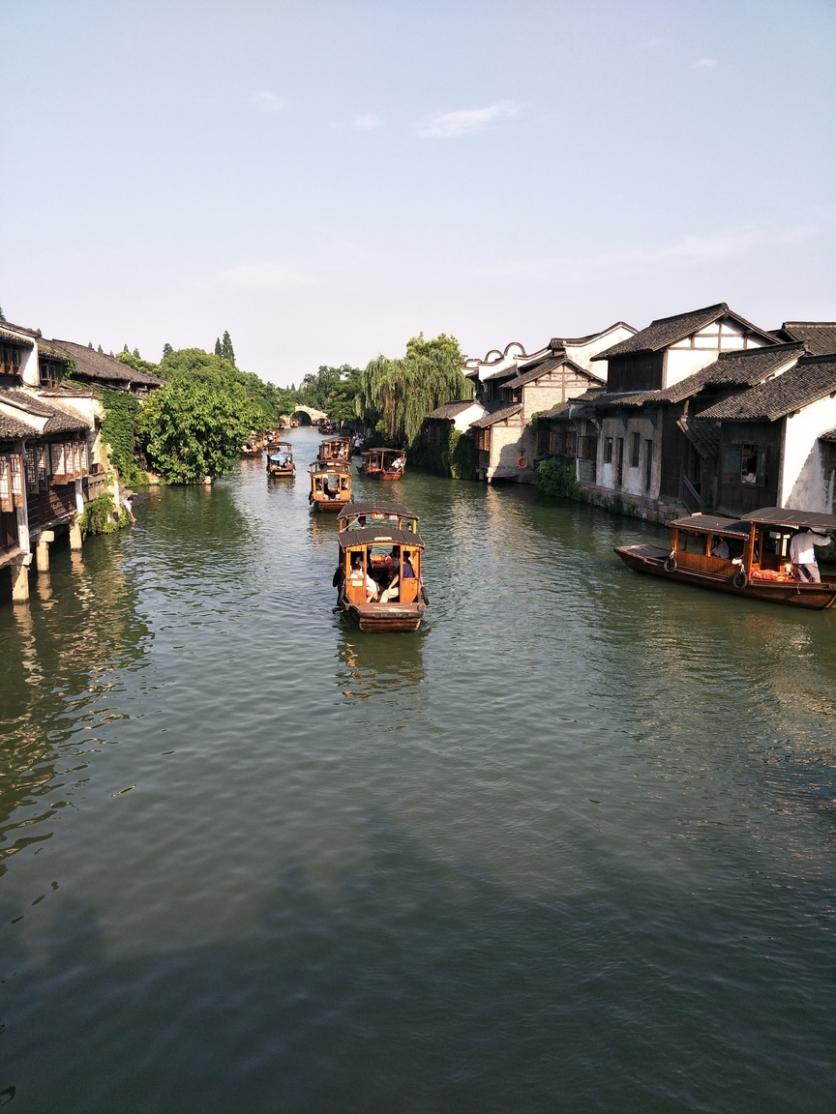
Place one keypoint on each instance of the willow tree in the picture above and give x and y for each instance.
(396, 395)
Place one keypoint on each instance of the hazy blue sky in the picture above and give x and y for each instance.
(327, 179)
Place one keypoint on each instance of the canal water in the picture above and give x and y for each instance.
(570, 847)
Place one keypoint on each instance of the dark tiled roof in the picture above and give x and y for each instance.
(503, 373)
(12, 337)
(812, 378)
(90, 364)
(829, 436)
(376, 506)
(741, 368)
(668, 330)
(58, 420)
(711, 524)
(13, 430)
(496, 416)
(451, 410)
(819, 336)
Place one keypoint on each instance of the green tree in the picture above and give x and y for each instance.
(167, 349)
(125, 348)
(396, 395)
(134, 360)
(193, 428)
(218, 349)
(100, 350)
(89, 344)
(136, 353)
(227, 351)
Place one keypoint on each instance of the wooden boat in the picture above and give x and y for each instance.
(354, 516)
(280, 460)
(335, 448)
(330, 485)
(383, 464)
(372, 557)
(253, 447)
(746, 556)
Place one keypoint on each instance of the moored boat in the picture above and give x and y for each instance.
(379, 578)
(748, 556)
(383, 464)
(355, 516)
(330, 485)
(280, 460)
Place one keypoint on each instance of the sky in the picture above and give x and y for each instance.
(327, 179)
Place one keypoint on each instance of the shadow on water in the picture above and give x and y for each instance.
(408, 980)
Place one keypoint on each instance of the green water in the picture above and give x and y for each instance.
(569, 847)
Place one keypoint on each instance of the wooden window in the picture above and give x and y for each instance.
(619, 461)
(635, 449)
(43, 468)
(588, 447)
(17, 478)
(6, 503)
(648, 464)
(31, 464)
(745, 464)
(608, 450)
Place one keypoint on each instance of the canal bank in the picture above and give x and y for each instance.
(569, 846)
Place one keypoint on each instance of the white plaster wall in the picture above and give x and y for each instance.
(582, 354)
(473, 413)
(505, 449)
(632, 478)
(802, 483)
(682, 362)
(544, 393)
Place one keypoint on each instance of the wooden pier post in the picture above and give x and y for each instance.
(20, 578)
(42, 550)
(75, 536)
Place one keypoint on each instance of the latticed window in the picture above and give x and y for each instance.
(6, 503)
(57, 459)
(31, 463)
(17, 476)
(43, 467)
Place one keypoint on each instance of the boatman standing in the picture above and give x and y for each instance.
(803, 556)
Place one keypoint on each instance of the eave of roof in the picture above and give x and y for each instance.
(786, 516)
(379, 534)
(812, 378)
(450, 410)
(496, 416)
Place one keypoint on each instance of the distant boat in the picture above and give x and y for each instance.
(330, 485)
(383, 464)
(379, 578)
(746, 556)
(335, 448)
(280, 460)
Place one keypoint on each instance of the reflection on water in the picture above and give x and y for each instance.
(459, 870)
(389, 668)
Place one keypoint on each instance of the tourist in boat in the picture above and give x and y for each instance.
(803, 556)
(397, 464)
(720, 549)
(358, 577)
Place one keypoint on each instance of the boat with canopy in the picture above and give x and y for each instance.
(379, 578)
(335, 448)
(280, 460)
(383, 464)
(749, 556)
(330, 485)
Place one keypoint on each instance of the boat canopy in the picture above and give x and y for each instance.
(790, 519)
(713, 524)
(378, 506)
(329, 466)
(379, 535)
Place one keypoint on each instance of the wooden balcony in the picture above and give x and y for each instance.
(54, 505)
(96, 484)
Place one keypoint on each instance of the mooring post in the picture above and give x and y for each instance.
(42, 550)
(20, 578)
(75, 536)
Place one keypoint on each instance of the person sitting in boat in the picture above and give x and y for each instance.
(360, 579)
(721, 549)
(397, 464)
(803, 556)
(329, 488)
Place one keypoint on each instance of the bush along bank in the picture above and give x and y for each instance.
(556, 478)
(453, 456)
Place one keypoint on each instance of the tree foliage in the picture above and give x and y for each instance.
(396, 395)
(194, 427)
(119, 429)
(227, 351)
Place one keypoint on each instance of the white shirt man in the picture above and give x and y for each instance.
(803, 555)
